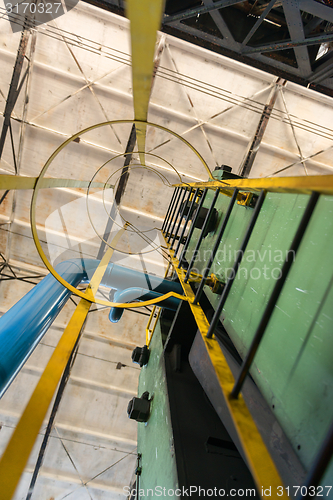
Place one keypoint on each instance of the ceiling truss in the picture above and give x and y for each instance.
(284, 37)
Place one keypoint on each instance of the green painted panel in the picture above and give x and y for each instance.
(293, 367)
(155, 438)
(234, 233)
(264, 256)
(299, 374)
(327, 481)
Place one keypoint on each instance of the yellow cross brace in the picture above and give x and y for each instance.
(21, 182)
(145, 17)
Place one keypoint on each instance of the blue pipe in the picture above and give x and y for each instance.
(130, 294)
(23, 326)
(125, 279)
(121, 277)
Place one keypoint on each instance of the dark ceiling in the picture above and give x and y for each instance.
(292, 39)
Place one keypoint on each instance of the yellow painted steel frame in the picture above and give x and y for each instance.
(21, 182)
(261, 465)
(39, 185)
(145, 17)
(150, 329)
(16, 454)
(322, 184)
(18, 182)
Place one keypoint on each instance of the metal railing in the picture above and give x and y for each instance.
(197, 193)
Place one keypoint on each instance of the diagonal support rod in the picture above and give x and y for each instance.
(119, 192)
(182, 258)
(251, 154)
(258, 23)
(216, 246)
(188, 217)
(202, 234)
(14, 87)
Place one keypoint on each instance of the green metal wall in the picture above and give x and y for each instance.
(155, 437)
(293, 367)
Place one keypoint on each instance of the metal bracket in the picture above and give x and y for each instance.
(247, 199)
(215, 284)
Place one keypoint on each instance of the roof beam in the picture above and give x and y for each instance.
(254, 28)
(317, 9)
(296, 31)
(325, 70)
(301, 42)
(311, 25)
(221, 25)
(203, 9)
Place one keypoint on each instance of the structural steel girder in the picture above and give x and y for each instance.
(303, 31)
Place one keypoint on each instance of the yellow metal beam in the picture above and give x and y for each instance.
(304, 184)
(261, 465)
(152, 322)
(16, 455)
(18, 450)
(20, 182)
(145, 17)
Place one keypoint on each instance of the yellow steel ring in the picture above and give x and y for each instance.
(33, 215)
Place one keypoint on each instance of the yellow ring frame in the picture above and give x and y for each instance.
(154, 170)
(42, 255)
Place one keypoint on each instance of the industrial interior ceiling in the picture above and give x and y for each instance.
(76, 73)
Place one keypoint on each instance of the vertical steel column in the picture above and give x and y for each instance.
(166, 219)
(195, 194)
(216, 246)
(275, 294)
(239, 257)
(190, 233)
(13, 93)
(181, 218)
(201, 237)
(177, 212)
(15, 87)
(173, 209)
